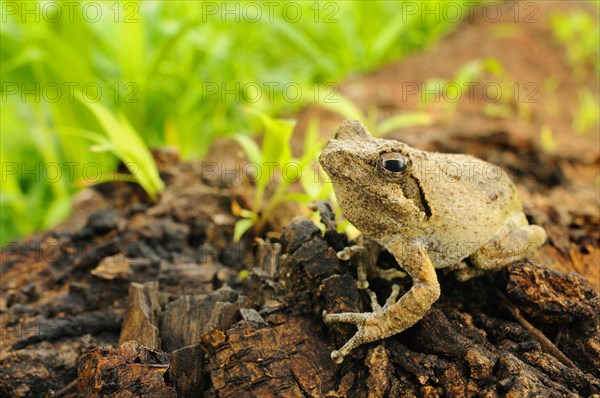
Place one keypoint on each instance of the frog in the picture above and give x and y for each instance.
(431, 211)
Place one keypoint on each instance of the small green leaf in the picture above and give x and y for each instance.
(250, 147)
(276, 142)
(241, 226)
(249, 214)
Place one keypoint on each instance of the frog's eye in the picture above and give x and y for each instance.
(394, 165)
(394, 162)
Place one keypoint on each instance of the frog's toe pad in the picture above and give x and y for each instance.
(337, 357)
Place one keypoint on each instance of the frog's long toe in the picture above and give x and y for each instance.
(358, 319)
(338, 355)
(354, 318)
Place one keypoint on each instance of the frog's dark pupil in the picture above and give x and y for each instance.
(394, 165)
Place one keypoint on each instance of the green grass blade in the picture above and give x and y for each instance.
(129, 147)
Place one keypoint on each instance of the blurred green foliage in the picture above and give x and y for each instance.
(87, 83)
(579, 32)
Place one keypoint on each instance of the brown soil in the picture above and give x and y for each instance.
(168, 275)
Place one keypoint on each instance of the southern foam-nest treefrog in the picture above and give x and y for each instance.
(430, 210)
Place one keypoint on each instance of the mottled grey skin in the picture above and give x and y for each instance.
(444, 211)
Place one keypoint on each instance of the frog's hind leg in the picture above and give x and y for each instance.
(520, 242)
(464, 271)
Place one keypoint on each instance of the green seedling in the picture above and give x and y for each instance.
(278, 170)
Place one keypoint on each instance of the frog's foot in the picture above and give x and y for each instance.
(366, 322)
(394, 316)
(358, 319)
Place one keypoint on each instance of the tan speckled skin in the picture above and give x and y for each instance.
(470, 200)
(444, 209)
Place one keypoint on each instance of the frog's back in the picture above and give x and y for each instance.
(469, 201)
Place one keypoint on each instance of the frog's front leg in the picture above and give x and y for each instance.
(395, 316)
(365, 254)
